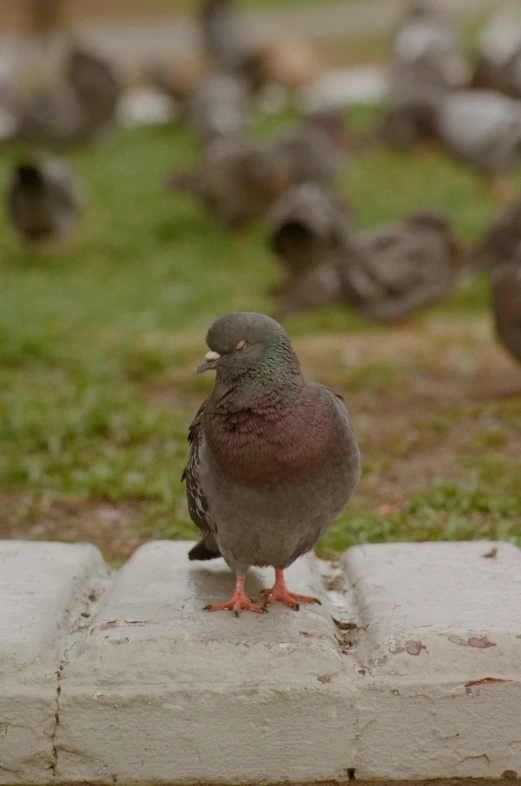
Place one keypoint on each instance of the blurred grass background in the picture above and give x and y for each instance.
(99, 345)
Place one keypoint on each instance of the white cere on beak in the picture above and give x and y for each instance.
(212, 356)
(241, 345)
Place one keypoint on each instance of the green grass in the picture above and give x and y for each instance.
(99, 344)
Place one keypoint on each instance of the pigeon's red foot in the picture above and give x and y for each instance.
(238, 602)
(282, 593)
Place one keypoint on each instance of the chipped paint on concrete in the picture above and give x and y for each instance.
(479, 642)
(485, 681)
(414, 647)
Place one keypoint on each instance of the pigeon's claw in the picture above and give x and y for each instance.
(237, 603)
(281, 592)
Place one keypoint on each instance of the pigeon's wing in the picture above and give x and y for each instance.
(206, 547)
(344, 431)
(197, 502)
(409, 267)
(338, 401)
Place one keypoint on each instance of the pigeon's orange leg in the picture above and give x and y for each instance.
(282, 593)
(238, 602)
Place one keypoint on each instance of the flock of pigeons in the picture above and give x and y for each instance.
(473, 110)
(385, 273)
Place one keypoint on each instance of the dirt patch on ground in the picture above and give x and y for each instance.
(40, 517)
(415, 370)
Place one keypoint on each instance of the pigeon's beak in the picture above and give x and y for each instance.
(210, 361)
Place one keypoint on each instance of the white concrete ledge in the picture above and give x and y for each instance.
(44, 587)
(123, 678)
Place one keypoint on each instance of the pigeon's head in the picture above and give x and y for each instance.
(243, 341)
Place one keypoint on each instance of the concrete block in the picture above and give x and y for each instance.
(43, 589)
(419, 679)
(441, 655)
(160, 691)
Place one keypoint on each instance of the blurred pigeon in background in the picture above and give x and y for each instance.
(307, 225)
(482, 128)
(43, 199)
(63, 92)
(218, 106)
(402, 267)
(384, 273)
(498, 65)
(506, 303)
(237, 180)
(500, 240)
(427, 62)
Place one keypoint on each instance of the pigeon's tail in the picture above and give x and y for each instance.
(205, 549)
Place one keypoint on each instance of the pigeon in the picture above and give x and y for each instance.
(218, 106)
(272, 461)
(238, 180)
(504, 76)
(501, 240)
(402, 267)
(417, 92)
(482, 128)
(311, 288)
(222, 33)
(43, 199)
(427, 64)
(498, 65)
(235, 180)
(385, 273)
(307, 225)
(310, 228)
(499, 252)
(75, 106)
(426, 38)
(63, 91)
(96, 85)
(226, 43)
(506, 303)
(316, 148)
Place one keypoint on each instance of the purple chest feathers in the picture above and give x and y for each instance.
(262, 441)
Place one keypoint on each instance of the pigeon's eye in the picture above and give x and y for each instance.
(241, 345)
